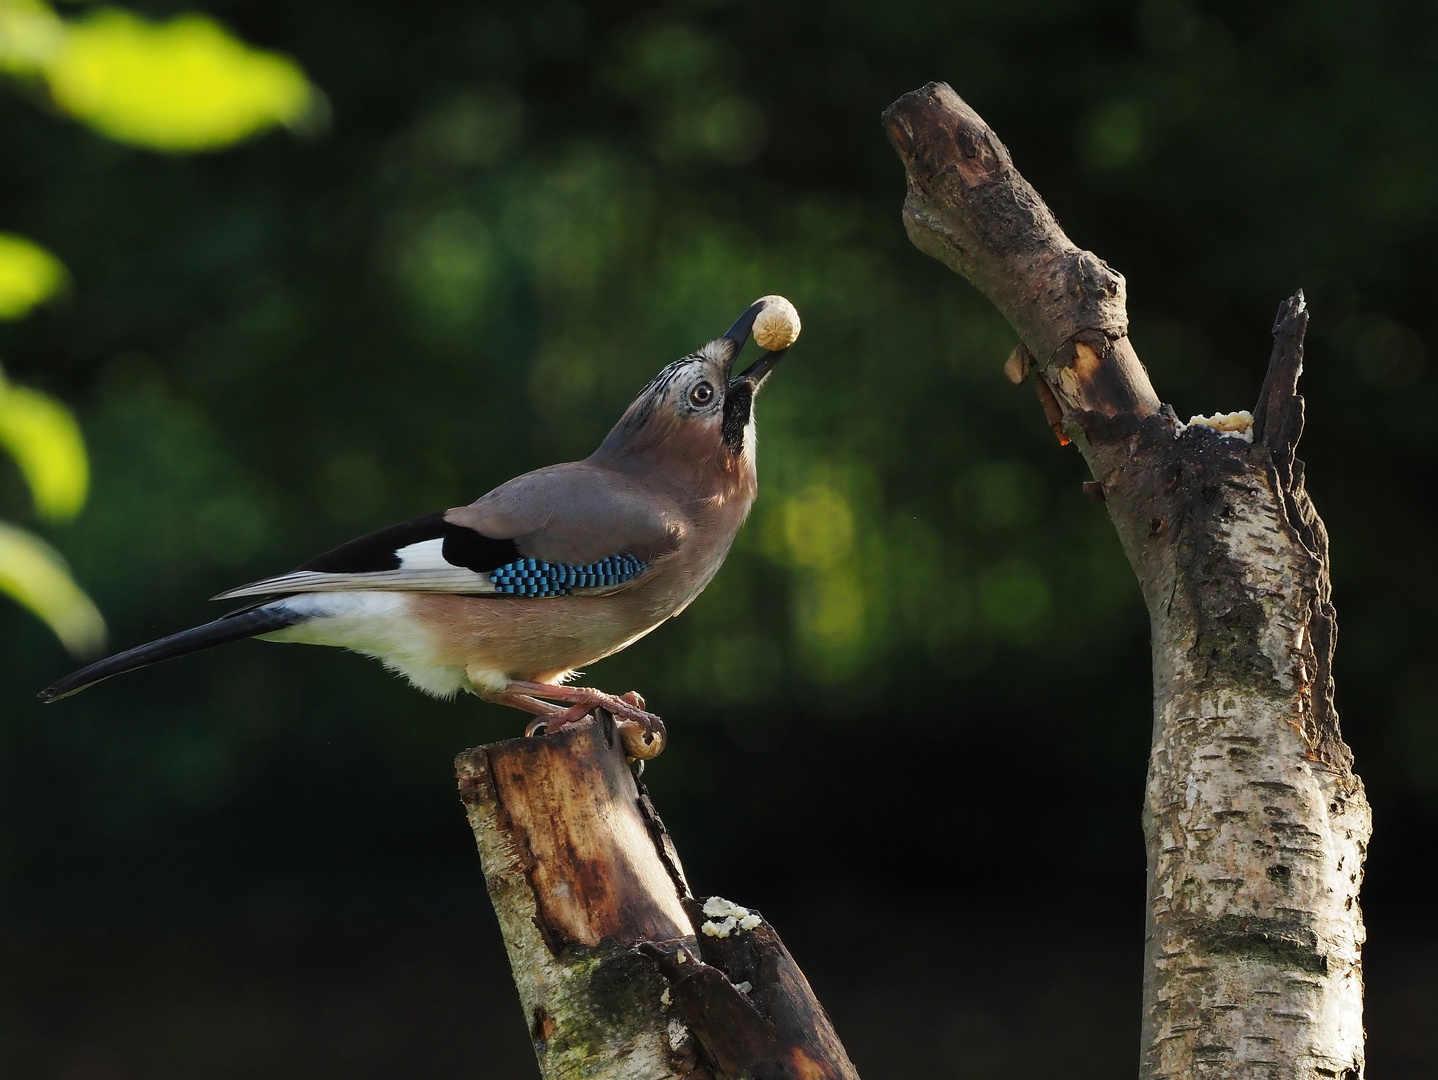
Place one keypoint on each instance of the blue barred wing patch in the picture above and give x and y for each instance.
(533, 577)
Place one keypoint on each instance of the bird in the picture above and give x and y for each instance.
(509, 596)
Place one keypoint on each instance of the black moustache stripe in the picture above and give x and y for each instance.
(738, 404)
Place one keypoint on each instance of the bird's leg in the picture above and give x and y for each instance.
(547, 717)
(643, 733)
(525, 703)
(629, 706)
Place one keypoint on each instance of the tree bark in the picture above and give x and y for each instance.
(1255, 823)
(600, 927)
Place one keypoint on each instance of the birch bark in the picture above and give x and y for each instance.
(1255, 823)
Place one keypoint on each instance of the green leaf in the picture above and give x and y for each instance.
(33, 573)
(28, 274)
(179, 86)
(42, 436)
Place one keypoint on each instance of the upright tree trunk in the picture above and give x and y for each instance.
(1255, 823)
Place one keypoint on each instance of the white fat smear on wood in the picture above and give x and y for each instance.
(729, 915)
(1233, 425)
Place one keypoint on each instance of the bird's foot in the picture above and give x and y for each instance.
(546, 723)
(643, 734)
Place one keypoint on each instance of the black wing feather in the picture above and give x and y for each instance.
(378, 550)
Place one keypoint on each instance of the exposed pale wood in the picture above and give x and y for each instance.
(1255, 823)
(600, 928)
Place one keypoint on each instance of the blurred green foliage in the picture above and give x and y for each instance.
(41, 435)
(35, 575)
(184, 85)
(43, 438)
(29, 275)
(517, 215)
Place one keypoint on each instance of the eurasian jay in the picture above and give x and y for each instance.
(506, 597)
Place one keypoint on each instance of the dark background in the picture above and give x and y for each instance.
(910, 717)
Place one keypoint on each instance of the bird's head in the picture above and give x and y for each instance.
(696, 412)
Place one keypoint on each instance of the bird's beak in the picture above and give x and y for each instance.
(738, 334)
(759, 370)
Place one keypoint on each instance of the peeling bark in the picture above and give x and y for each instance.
(1255, 824)
(600, 927)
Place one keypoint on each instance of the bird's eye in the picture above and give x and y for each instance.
(701, 395)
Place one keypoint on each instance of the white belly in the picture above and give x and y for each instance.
(378, 624)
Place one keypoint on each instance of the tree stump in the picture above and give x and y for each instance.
(622, 974)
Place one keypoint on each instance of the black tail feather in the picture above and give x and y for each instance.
(235, 626)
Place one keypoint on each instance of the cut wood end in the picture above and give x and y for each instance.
(935, 129)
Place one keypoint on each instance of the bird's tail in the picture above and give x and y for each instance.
(247, 622)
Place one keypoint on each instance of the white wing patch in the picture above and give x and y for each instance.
(425, 555)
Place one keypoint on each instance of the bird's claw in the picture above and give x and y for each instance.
(548, 723)
(643, 734)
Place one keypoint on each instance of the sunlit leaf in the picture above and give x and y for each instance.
(182, 85)
(28, 274)
(44, 439)
(33, 573)
(30, 34)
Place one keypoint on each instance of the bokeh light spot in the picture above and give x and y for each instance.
(818, 527)
(447, 265)
(1112, 136)
(830, 616)
(1004, 494)
(1014, 600)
